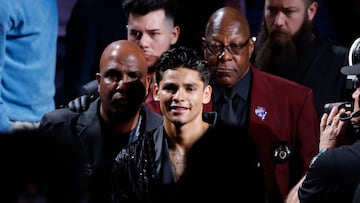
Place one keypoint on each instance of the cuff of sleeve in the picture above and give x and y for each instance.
(316, 156)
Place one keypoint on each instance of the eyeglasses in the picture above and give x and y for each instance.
(217, 50)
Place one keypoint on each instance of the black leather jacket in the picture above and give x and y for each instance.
(142, 172)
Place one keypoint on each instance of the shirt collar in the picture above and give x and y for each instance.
(241, 88)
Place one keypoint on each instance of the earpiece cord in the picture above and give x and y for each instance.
(345, 117)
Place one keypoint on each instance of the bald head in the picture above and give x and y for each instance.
(123, 81)
(125, 52)
(228, 17)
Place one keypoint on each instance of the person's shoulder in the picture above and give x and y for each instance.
(346, 154)
(90, 88)
(153, 119)
(334, 164)
(62, 112)
(58, 116)
(337, 160)
(278, 82)
(210, 117)
(151, 114)
(331, 45)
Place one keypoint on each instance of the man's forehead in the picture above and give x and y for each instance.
(284, 4)
(123, 59)
(150, 21)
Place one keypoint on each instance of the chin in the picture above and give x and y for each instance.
(225, 81)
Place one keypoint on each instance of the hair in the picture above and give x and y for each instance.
(143, 7)
(182, 57)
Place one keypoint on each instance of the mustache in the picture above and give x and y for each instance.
(278, 34)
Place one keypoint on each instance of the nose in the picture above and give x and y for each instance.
(356, 93)
(123, 82)
(225, 53)
(178, 95)
(280, 19)
(144, 40)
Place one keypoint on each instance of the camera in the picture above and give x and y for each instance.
(348, 106)
(353, 129)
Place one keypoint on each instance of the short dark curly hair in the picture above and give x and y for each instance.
(182, 57)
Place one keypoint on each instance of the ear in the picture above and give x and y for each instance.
(98, 77)
(312, 9)
(156, 92)
(147, 83)
(251, 47)
(175, 35)
(207, 94)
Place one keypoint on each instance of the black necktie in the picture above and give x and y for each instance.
(228, 112)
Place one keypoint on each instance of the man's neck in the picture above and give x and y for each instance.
(125, 126)
(180, 140)
(184, 136)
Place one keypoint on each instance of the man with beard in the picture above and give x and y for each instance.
(288, 47)
(86, 143)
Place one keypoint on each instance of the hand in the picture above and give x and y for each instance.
(332, 130)
(80, 104)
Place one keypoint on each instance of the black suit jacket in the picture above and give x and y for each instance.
(82, 158)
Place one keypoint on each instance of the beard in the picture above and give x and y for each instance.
(278, 52)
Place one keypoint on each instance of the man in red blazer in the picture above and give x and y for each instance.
(279, 114)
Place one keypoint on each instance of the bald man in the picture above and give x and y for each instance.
(89, 141)
(279, 114)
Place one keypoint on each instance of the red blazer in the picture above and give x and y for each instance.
(290, 119)
(282, 114)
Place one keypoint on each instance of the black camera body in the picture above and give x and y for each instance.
(353, 129)
(348, 106)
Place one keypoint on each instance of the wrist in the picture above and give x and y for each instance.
(321, 151)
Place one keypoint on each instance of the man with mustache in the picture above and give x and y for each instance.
(288, 46)
(279, 114)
